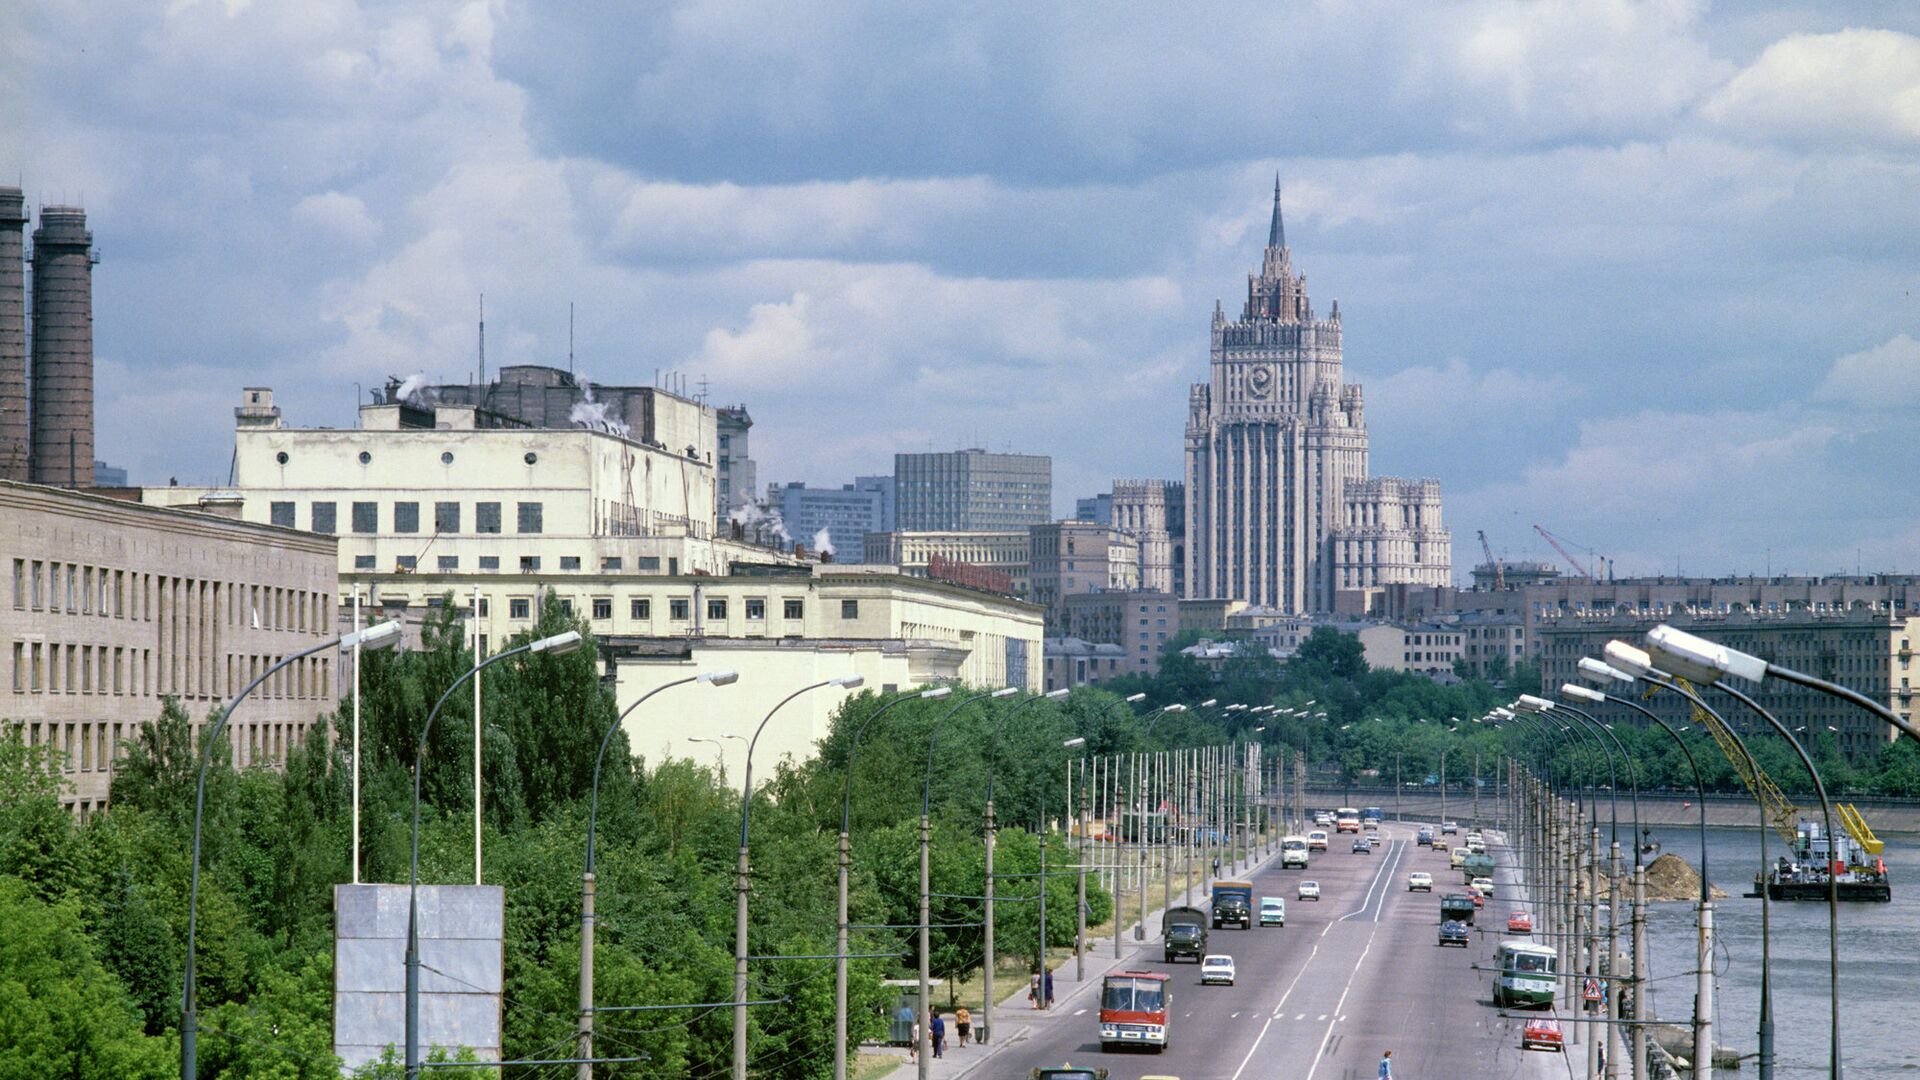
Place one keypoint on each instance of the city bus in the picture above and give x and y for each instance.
(1526, 975)
(1347, 819)
(1134, 1009)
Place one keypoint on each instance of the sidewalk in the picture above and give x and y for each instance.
(1015, 1019)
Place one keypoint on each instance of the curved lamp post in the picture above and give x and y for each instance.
(1140, 828)
(385, 635)
(719, 745)
(924, 1052)
(712, 678)
(1704, 662)
(742, 882)
(557, 645)
(984, 1029)
(846, 863)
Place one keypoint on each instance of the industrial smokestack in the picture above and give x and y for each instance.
(13, 335)
(62, 418)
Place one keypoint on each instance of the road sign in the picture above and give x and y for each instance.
(1593, 991)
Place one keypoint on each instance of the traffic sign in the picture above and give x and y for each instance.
(1593, 991)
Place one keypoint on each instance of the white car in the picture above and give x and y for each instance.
(1448, 828)
(1316, 841)
(1420, 880)
(1323, 818)
(1484, 884)
(1216, 968)
(1309, 890)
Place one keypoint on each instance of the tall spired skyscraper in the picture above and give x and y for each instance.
(1280, 510)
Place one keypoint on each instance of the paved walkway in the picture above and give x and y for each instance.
(1016, 1019)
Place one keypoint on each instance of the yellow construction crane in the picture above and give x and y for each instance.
(1778, 810)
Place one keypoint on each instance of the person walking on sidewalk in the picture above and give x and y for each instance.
(963, 1023)
(1046, 983)
(913, 1043)
(1386, 1066)
(939, 1030)
(1033, 991)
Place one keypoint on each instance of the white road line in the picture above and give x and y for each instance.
(1327, 1039)
(1303, 1016)
(1323, 1016)
(1078, 1012)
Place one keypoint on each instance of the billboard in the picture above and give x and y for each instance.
(462, 934)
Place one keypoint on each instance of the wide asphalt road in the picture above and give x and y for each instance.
(1348, 977)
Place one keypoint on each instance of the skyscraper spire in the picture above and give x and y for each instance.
(1277, 232)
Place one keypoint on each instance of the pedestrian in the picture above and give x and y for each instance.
(1386, 1066)
(963, 1023)
(1033, 990)
(1047, 982)
(939, 1029)
(913, 1042)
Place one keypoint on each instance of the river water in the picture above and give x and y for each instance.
(1879, 959)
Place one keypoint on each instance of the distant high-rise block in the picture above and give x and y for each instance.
(1279, 511)
(972, 490)
(13, 336)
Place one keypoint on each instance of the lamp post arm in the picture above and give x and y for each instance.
(993, 738)
(189, 1026)
(420, 751)
(1613, 779)
(1844, 693)
(933, 740)
(746, 789)
(853, 752)
(593, 804)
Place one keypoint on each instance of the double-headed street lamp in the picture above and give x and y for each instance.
(1140, 826)
(742, 882)
(556, 645)
(984, 1029)
(383, 636)
(711, 678)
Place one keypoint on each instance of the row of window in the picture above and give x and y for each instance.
(80, 589)
(87, 745)
(528, 563)
(679, 608)
(43, 667)
(323, 517)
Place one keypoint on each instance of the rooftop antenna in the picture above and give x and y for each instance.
(483, 339)
(569, 337)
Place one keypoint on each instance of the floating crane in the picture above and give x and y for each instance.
(1499, 571)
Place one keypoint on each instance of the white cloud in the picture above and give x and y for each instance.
(1886, 376)
(1857, 85)
(339, 217)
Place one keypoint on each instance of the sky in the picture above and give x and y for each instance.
(1642, 273)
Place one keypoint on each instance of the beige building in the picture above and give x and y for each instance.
(1141, 623)
(1006, 552)
(1141, 508)
(1073, 557)
(787, 628)
(115, 606)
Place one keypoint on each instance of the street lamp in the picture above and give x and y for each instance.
(556, 645)
(984, 1029)
(846, 863)
(719, 750)
(381, 636)
(1140, 828)
(924, 1051)
(711, 678)
(741, 882)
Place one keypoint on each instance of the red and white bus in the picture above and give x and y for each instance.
(1347, 819)
(1134, 1009)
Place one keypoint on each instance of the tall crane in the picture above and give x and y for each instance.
(1499, 571)
(1583, 571)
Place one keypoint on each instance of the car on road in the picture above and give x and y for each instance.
(1484, 884)
(1068, 1072)
(1425, 837)
(1449, 828)
(1476, 845)
(1215, 969)
(1420, 880)
(1309, 890)
(1520, 922)
(1362, 846)
(1323, 819)
(1454, 932)
(1542, 1033)
(1458, 857)
(1316, 840)
(1479, 898)
(1273, 911)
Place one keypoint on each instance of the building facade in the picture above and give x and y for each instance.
(1006, 552)
(1141, 623)
(1071, 557)
(845, 515)
(972, 491)
(736, 477)
(1075, 662)
(114, 607)
(1276, 445)
(1391, 533)
(1142, 508)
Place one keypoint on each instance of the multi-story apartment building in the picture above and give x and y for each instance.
(114, 607)
(1279, 506)
(1069, 557)
(845, 515)
(1075, 662)
(972, 491)
(912, 552)
(1141, 623)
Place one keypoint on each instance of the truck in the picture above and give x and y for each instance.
(1371, 816)
(1294, 851)
(1135, 1009)
(1457, 906)
(1477, 865)
(1184, 934)
(1233, 903)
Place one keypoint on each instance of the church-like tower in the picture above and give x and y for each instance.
(1275, 441)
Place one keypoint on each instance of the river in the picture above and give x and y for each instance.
(1879, 956)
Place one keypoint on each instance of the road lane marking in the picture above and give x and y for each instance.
(1327, 1039)
(1303, 1016)
(1323, 1016)
(1076, 1012)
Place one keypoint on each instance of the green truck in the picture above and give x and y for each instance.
(1477, 865)
(1184, 934)
(1457, 906)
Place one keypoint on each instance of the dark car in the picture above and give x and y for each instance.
(1453, 932)
(1362, 846)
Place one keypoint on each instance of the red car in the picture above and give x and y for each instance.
(1520, 922)
(1542, 1034)
(1479, 900)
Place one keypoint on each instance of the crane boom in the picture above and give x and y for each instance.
(1571, 561)
(1499, 571)
(1779, 810)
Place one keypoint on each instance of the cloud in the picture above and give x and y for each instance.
(1857, 85)
(1886, 376)
(337, 217)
